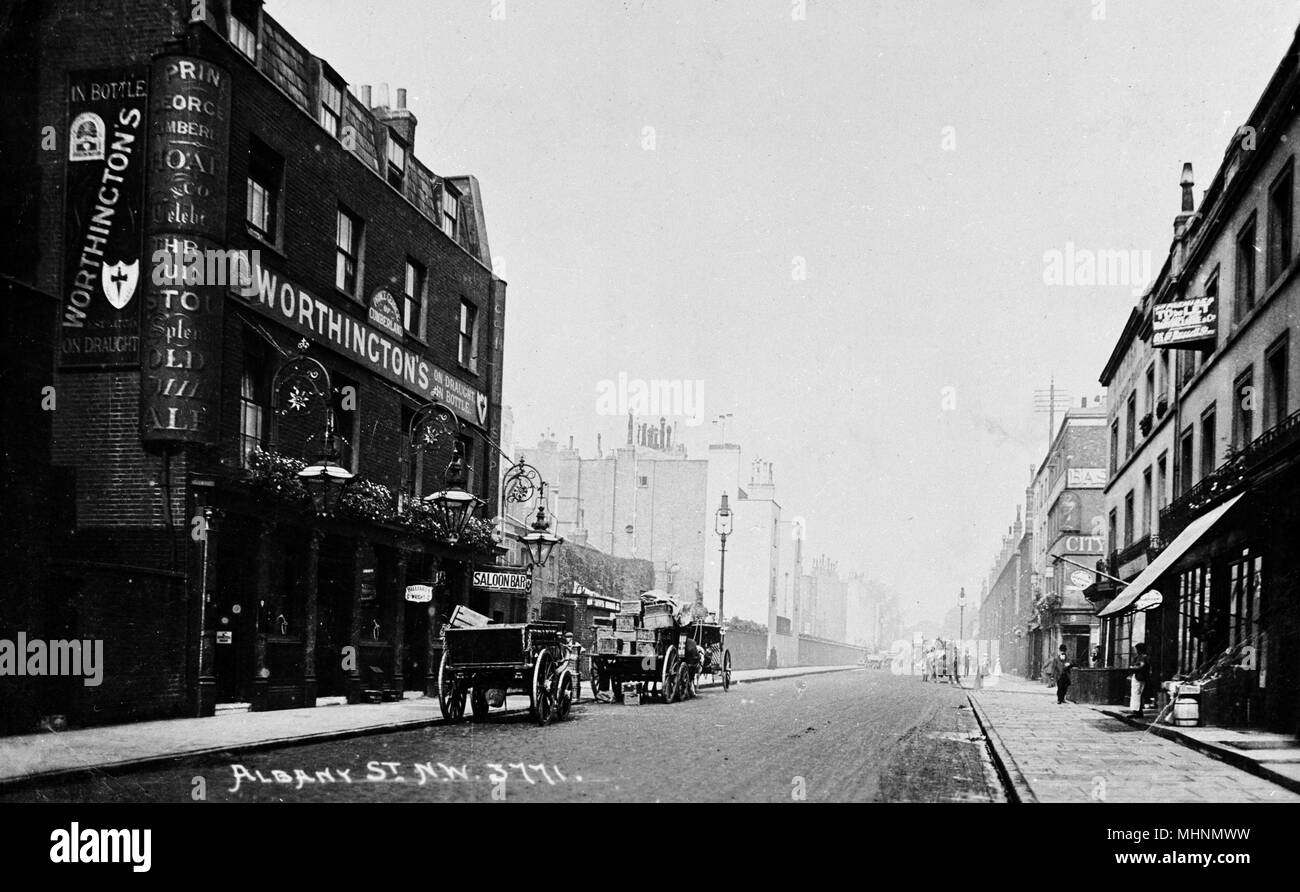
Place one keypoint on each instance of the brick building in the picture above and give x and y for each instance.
(154, 130)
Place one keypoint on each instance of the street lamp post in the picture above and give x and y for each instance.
(722, 524)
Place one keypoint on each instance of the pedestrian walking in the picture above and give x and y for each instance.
(1061, 669)
(1141, 668)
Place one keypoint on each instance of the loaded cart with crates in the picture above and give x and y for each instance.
(640, 654)
(484, 662)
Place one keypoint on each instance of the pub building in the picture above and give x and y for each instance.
(1204, 493)
(333, 299)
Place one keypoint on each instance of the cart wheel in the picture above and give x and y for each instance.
(542, 704)
(726, 671)
(669, 685)
(478, 702)
(451, 693)
(564, 696)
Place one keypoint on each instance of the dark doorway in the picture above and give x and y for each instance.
(415, 646)
(233, 615)
(334, 596)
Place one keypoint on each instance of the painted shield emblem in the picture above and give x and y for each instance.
(119, 282)
(482, 408)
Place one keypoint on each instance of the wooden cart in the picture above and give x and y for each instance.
(485, 664)
(715, 659)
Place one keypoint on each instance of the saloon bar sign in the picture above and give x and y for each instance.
(514, 580)
(103, 226)
(181, 346)
(1185, 324)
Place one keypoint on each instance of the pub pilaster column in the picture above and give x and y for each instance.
(310, 579)
(262, 594)
(205, 694)
(354, 679)
(398, 600)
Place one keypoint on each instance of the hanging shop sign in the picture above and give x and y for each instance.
(104, 218)
(419, 594)
(1149, 600)
(1081, 579)
(180, 350)
(515, 580)
(274, 296)
(1185, 324)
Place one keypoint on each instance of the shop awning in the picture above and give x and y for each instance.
(1185, 540)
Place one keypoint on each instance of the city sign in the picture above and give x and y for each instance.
(1183, 324)
(1084, 545)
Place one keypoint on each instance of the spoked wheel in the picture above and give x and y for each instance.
(542, 693)
(564, 695)
(478, 702)
(726, 671)
(451, 693)
(669, 683)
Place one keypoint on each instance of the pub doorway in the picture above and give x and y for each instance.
(334, 597)
(232, 616)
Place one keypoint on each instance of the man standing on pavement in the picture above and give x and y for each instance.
(1061, 669)
(1141, 669)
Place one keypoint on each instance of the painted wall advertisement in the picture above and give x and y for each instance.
(181, 344)
(104, 222)
(1185, 323)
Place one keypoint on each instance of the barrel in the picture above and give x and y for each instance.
(1187, 711)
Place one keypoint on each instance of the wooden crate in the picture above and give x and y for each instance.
(631, 607)
(629, 635)
(625, 623)
(609, 646)
(645, 635)
(631, 693)
(657, 620)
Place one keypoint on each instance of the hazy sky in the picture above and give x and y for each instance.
(820, 145)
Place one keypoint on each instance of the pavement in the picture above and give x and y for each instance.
(54, 756)
(1077, 752)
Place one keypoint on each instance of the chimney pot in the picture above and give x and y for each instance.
(401, 97)
(381, 99)
(365, 95)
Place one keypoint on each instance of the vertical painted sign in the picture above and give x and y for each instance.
(104, 221)
(180, 350)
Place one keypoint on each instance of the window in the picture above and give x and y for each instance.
(346, 404)
(642, 481)
(265, 176)
(1193, 618)
(1245, 596)
(467, 352)
(1280, 199)
(254, 403)
(396, 162)
(1130, 421)
(1162, 480)
(1186, 444)
(1114, 446)
(1243, 409)
(467, 452)
(415, 472)
(1275, 383)
(241, 27)
(1244, 297)
(1146, 502)
(1207, 442)
(450, 211)
(1151, 389)
(1128, 518)
(413, 300)
(1112, 537)
(331, 105)
(1163, 384)
(348, 260)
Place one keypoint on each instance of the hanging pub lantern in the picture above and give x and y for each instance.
(541, 541)
(326, 479)
(453, 506)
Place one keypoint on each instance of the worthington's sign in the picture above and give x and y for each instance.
(291, 305)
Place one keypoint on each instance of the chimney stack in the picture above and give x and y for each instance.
(365, 95)
(401, 97)
(1182, 223)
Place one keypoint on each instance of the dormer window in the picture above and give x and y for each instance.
(396, 162)
(241, 28)
(331, 105)
(450, 211)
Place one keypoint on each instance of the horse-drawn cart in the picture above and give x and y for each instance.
(486, 663)
(647, 648)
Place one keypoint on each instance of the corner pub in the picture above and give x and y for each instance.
(158, 505)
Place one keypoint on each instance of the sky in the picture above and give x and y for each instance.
(837, 217)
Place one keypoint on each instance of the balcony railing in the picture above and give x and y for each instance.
(1231, 477)
(1133, 551)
